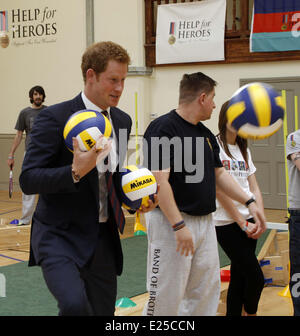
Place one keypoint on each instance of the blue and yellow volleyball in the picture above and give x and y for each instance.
(137, 186)
(256, 111)
(86, 126)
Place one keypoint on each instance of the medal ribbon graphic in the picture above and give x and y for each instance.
(4, 20)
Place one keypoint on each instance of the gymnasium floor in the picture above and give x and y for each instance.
(271, 304)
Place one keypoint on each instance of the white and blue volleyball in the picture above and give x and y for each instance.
(256, 111)
(137, 186)
(86, 126)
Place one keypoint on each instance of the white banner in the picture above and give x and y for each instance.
(190, 32)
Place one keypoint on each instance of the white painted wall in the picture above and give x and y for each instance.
(56, 66)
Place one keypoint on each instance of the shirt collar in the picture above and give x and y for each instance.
(91, 106)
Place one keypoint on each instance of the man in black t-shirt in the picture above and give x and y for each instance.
(183, 264)
(25, 123)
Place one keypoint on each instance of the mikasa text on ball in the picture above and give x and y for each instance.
(138, 185)
(255, 111)
(86, 126)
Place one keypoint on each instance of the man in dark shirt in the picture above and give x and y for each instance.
(25, 123)
(183, 265)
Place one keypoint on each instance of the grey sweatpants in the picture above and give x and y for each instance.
(28, 207)
(180, 285)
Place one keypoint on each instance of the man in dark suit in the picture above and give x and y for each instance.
(75, 236)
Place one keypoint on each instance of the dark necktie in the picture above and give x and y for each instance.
(112, 195)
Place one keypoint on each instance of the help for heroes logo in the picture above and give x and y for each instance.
(28, 26)
(184, 30)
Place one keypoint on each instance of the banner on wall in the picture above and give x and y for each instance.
(275, 26)
(190, 32)
(28, 26)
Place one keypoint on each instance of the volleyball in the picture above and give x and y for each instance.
(255, 111)
(86, 126)
(137, 186)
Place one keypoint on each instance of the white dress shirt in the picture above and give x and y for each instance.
(101, 167)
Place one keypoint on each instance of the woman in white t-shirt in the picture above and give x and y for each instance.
(234, 225)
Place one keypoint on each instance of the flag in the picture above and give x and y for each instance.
(275, 25)
(190, 32)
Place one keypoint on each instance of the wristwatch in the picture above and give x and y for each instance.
(76, 177)
(250, 201)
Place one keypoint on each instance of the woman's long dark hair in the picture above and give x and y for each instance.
(241, 142)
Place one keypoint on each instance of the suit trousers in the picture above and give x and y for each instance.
(90, 290)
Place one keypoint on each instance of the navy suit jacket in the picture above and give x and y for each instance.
(66, 219)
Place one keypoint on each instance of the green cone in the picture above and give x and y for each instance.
(140, 233)
(125, 303)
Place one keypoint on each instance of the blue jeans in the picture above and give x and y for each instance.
(294, 227)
